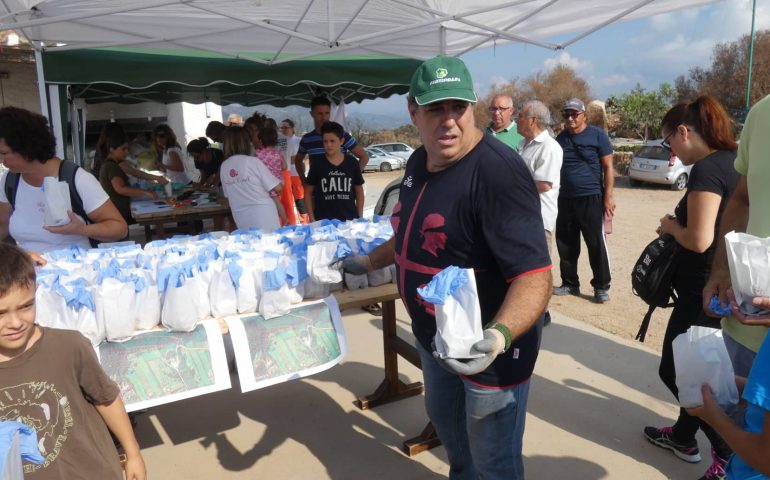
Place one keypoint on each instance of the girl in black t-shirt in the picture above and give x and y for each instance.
(700, 134)
(334, 187)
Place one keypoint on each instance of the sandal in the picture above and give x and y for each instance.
(373, 308)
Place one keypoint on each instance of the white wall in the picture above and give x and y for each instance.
(189, 121)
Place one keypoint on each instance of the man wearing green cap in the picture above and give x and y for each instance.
(468, 200)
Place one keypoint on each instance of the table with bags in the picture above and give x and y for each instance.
(155, 215)
(156, 313)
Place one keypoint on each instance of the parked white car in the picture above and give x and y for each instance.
(396, 149)
(379, 161)
(654, 164)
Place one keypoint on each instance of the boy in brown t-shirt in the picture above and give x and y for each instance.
(51, 380)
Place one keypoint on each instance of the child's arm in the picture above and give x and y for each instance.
(309, 200)
(122, 189)
(135, 172)
(360, 200)
(753, 448)
(114, 415)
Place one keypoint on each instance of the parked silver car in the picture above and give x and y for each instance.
(379, 161)
(395, 149)
(654, 164)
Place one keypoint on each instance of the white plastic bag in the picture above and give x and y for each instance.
(700, 356)
(458, 315)
(51, 308)
(275, 297)
(380, 277)
(749, 260)
(147, 303)
(57, 202)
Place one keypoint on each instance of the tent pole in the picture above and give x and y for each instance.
(751, 61)
(41, 83)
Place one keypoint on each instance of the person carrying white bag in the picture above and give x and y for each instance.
(458, 315)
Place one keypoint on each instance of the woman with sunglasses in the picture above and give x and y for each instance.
(169, 153)
(701, 134)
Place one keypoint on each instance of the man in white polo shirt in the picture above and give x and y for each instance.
(543, 156)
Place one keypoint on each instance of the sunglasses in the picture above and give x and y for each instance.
(665, 143)
(571, 113)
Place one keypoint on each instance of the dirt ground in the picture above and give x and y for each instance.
(637, 215)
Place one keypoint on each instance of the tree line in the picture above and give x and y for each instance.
(638, 112)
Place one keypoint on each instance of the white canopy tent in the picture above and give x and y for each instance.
(272, 32)
(276, 31)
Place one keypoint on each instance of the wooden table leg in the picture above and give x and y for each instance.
(424, 441)
(160, 231)
(391, 389)
(147, 232)
(219, 223)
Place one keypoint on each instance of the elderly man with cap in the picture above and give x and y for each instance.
(585, 200)
(468, 200)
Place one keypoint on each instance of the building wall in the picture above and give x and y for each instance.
(20, 88)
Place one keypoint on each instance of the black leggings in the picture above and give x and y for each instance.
(688, 311)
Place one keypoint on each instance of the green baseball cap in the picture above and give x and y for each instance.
(442, 78)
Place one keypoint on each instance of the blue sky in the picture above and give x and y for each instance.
(613, 60)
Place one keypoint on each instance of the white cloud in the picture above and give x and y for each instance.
(583, 67)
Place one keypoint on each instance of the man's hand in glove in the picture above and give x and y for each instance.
(493, 344)
(357, 264)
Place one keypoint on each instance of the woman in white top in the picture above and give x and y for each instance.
(170, 160)
(247, 183)
(28, 147)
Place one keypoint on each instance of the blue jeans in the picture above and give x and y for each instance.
(481, 428)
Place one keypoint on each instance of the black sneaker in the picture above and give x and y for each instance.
(601, 296)
(566, 290)
(717, 469)
(664, 438)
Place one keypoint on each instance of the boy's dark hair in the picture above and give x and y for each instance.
(320, 100)
(198, 145)
(27, 133)
(268, 137)
(16, 268)
(333, 127)
(288, 121)
(113, 136)
(215, 129)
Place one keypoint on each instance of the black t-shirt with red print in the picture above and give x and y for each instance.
(483, 212)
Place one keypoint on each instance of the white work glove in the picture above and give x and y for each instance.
(491, 346)
(357, 265)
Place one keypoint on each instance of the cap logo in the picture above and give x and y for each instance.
(441, 72)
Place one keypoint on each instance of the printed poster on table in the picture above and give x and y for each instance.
(308, 340)
(157, 367)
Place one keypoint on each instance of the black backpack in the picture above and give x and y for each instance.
(651, 278)
(67, 172)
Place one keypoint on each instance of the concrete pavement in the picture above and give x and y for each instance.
(591, 395)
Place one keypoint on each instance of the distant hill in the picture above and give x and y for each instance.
(301, 117)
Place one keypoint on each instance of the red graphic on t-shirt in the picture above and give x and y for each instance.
(233, 172)
(434, 240)
(430, 309)
(395, 219)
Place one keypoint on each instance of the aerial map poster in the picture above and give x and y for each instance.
(308, 340)
(160, 367)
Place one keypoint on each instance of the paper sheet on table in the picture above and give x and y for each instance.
(158, 367)
(308, 340)
(749, 260)
(142, 207)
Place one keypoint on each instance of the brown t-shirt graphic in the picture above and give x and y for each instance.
(51, 387)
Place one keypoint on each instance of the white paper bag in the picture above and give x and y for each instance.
(749, 260)
(115, 303)
(700, 356)
(224, 300)
(356, 282)
(57, 202)
(320, 256)
(458, 314)
(379, 277)
(182, 308)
